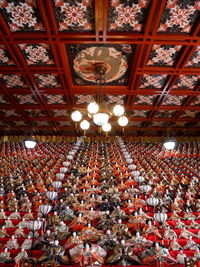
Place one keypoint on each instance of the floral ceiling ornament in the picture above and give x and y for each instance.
(163, 55)
(37, 54)
(5, 58)
(26, 99)
(74, 15)
(13, 80)
(179, 16)
(47, 80)
(145, 100)
(127, 15)
(83, 99)
(21, 15)
(173, 100)
(194, 60)
(55, 99)
(152, 81)
(187, 82)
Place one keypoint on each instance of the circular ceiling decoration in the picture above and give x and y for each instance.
(116, 63)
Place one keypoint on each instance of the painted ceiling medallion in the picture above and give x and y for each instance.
(115, 61)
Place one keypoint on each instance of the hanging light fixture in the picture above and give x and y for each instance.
(170, 144)
(30, 143)
(98, 110)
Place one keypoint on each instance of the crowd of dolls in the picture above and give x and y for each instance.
(101, 214)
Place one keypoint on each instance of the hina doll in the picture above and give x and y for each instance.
(5, 256)
(139, 242)
(136, 222)
(54, 220)
(174, 245)
(169, 234)
(143, 215)
(158, 253)
(12, 243)
(3, 232)
(63, 231)
(191, 244)
(108, 241)
(12, 204)
(22, 255)
(8, 223)
(188, 215)
(19, 233)
(67, 214)
(92, 214)
(186, 234)
(27, 243)
(73, 241)
(122, 255)
(174, 216)
(90, 234)
(87, 255)
(105, 222)
(15, 215)
(197, 253)
(194, 225)
(28, 215)
(179, 224)
(121, 230)
(3, 215)
(22, 224)
(78, 223)
(181, 257)
(118, 213)
(151, 231)
(55, 253)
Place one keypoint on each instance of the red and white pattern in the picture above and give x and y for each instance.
(60, 113)
(47, 80)
(74, 15)
(125, 16)
(134, 123)
(174, 100)
(83, 99)
(13, 80)
(179, 16)
(115, 99)
(37, 54)
(3, 100)
(5, 58)
(19, 123)
(186, 82)
(145, 100)
(196, 102)
(26, 99)
(54, 99)
(138, 113)
(64, 123)
(10, 113)
(41, 123)
(164, 114)
(163, 55)
(158, 123)
(21, 15)
(189, 114)
(153, 81)
(194, 60)
(35, 112)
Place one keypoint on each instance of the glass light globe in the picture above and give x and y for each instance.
(169, 144)
(76, 116)
(84, 125)
(30, 144)
(118, 110)
(123, 121)
(106, 127)
(93, 108)
(100, 118)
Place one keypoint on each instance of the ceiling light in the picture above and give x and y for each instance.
(170, 144)
(76, 116)
(118, 110)
(106, 127)
(123, 121)
(100, 118)
(93, 108)
(85, 125)
(30, 143)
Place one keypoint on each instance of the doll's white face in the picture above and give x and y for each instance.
(149, 223)
(137, 234)
(6, 250)
(108, 232)
(56, 242)
(48, 232)
(123, 242)
(190, 237)
(119, 221)
(89, 225)
(136, 214)
(13, 237)
(74, 234)
(87, 246)
(80, 215)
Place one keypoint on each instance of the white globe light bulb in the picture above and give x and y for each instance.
(169, 144)
(123, 121)
(106, 127)
(100, 118)
(93, 108)
(30, 144)
(84, 125)
(118, 110)
(76, 116)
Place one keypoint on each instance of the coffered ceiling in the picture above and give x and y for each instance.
(151, 48)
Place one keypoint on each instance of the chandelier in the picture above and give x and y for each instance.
(98, 111)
